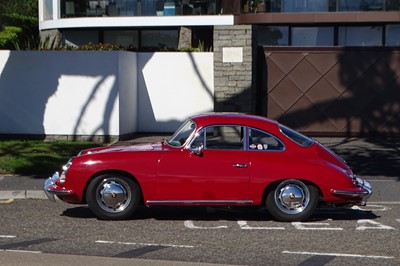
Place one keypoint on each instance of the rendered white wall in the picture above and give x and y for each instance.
(171, 87)
(61, 93)
(101, 93)
(128, 99)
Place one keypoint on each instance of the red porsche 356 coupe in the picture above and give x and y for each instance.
(212, 160)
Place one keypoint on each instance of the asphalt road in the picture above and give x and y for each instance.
(41, 232)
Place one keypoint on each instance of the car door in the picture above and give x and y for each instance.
(268, 160)
(214, 168)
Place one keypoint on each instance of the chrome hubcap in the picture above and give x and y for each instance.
(292, 197)
(113, 195)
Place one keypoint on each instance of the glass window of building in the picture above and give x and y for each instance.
(124, 38)
(78, 38)
(273, 35)
(361, 5)
(306, 5)
(151, 39)
(392, 5)
(47, 9)
(393, 35)
(312, 36)
(360, 36)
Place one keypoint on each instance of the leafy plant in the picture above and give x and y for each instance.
(100, 47)
(8, 36)
(26, 38)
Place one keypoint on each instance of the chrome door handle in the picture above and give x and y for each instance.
(239, 165)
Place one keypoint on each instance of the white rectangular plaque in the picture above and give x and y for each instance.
(232, 54)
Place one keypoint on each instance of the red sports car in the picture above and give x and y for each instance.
(212, 160)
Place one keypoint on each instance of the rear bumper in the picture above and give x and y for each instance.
(51, 189)
(361, 192)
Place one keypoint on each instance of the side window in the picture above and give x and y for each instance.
(224, 138)
(263, 141)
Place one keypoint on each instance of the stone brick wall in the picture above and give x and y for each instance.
(185, 38)
(234, 69)
(50, 39)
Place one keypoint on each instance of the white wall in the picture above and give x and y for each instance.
(128, 99)
(101, 92)
(171, 87)
(64, 93)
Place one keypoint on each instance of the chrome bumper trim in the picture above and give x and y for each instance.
(50, 188)
(363, 194)
(350, 193)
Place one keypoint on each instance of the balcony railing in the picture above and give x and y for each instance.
(98, 8)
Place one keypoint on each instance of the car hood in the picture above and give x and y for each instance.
(126, 148)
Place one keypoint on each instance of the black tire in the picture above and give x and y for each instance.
(113, 196)
(292, 201)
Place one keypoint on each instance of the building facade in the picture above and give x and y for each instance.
(325, 67)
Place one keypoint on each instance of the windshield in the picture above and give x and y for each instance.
(180, 137)
(296, 136)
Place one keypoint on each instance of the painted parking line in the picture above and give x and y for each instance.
(142, 244)
(6, 201)
(21, 251)
(383, 202)
(7, 236)
(338, 255)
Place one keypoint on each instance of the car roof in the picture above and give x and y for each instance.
(234, 119)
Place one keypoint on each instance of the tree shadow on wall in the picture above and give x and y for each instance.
(360, 98)
(26, 90)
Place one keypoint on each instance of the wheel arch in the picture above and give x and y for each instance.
(113, 172)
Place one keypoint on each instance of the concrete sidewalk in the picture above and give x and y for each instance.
(370, 158)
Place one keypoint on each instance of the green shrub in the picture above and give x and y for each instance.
(26, 38)
(9, 36)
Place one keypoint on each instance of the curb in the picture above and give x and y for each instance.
(22, 194)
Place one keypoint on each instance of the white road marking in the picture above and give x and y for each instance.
(371, 207)
(245, 226)
(338, 255)
(315, 226)
(6, 236)
(189, 224)
(375, 225)
(384, 180)
(383, 202)
(143, 244)
(21, 251)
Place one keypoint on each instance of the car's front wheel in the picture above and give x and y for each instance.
(292, 200)
(113, 196)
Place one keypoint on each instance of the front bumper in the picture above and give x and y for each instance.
(361, 192)
(51, 188)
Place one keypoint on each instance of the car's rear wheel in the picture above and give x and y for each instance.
(292, 200)
(113, 196)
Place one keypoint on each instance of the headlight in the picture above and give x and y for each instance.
(65, 169)
(67, 165)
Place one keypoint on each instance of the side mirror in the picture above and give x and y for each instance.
(196, 151)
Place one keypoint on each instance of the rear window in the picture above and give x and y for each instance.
(296, 136)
